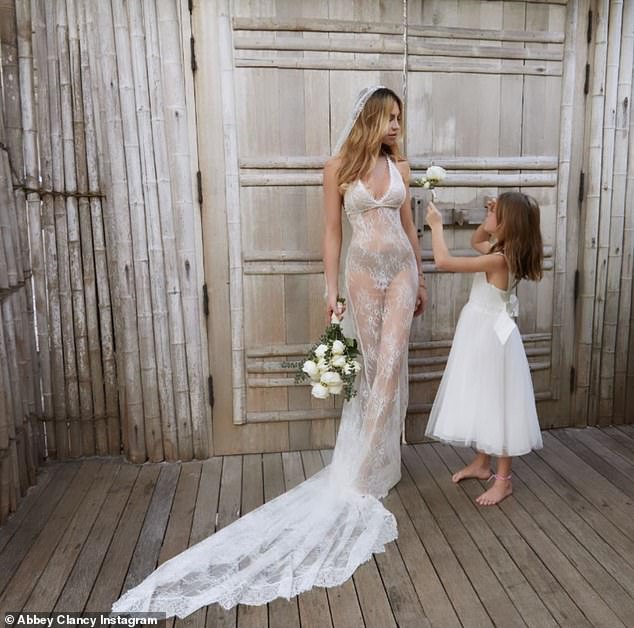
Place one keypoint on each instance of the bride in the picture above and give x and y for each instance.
(319, 532)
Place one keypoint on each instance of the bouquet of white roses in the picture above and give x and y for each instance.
(331, 364)
(434, 176)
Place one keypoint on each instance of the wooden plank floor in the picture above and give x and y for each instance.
(559, 552)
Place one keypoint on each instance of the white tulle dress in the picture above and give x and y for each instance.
(486, 399)
(319, 532)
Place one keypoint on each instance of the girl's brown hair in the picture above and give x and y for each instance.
(364, 141)
(519, 235)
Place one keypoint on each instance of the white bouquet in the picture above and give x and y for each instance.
(434, 176)
(331, 364)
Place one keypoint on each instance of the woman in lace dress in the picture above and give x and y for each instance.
(368, 179)
(319, 532)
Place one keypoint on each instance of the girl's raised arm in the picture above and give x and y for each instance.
(494, 265)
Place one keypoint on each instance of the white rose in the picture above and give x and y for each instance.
(356, 365)
(331, 379)
(322, 365)
(310, 368)
(320, 351)
(426, 185)
(320, 391)
(436, 174)
(338, 347)
(347, 369)
(335, 390)
(339, 361)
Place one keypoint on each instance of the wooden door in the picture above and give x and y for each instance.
(275, 82)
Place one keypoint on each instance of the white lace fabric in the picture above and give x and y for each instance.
(318, 533)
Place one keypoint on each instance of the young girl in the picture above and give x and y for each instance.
(485, 399)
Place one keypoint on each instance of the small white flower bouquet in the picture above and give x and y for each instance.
(434, 176)
(331, 364)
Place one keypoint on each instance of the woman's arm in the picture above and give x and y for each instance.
(331, 242)
(407, 220)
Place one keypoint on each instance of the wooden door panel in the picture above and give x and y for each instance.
(483, 95)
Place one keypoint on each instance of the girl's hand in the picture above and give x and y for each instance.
(421, 301)
(491, 203)
(334, 307)
(434, 217)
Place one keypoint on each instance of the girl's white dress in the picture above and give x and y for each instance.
(486, 399)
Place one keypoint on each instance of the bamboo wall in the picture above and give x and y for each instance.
(603, 381)
(101, 246)
(21, 438)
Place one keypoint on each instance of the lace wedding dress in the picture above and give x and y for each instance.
(319, 532)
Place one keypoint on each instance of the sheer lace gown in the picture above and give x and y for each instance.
(319, 532)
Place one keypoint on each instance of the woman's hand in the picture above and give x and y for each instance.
(434, 217)
(334, 307)
(421, 301)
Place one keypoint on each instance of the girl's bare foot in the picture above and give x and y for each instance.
(473, 470)
(501, 489)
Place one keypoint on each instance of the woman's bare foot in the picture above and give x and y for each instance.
(501, 489)
(473, 470)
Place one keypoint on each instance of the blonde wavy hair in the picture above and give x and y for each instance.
(359, 151)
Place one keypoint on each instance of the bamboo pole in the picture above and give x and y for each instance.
(106, 399)
(68, 252)
(17, 226)
(417, 162)
(452, 180)
(427, 376)
(588, 271)
(48, 360)
(353, 26)
(94, 435)
(269, 351)
(15, 310)
(117, 218)
(621, 258)
(137, 212)
(306, 256)
(147, 149)
(177, 348)
(562, 291)
(599, 328)
(185, 25)
(415, 64)
(335, 413)
(189, 273)
(8, 244)
(9, 480)
(18, 116)
(14, 360)
(38, 369)
(383, 45)
(105, 235)
(313, 25)
(13, 134)
(232, 186)
(625, 359)
(52, 179)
